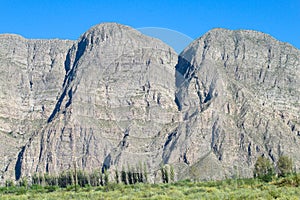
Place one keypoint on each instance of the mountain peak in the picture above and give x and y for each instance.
(114, 97)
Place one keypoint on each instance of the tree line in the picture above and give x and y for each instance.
(265, 170)
(99, 177)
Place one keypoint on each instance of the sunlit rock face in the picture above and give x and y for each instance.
(116, 98)
(240, 99)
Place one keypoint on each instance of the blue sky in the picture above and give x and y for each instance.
(69, 19)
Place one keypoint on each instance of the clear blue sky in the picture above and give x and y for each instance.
(69, 19)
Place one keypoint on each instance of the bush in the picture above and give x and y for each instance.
(95, 178)
(106, 177)
(172, 174)
(164, 174)
(35, 179)
(263, 169)
(62, 180)
(82, 178)
(51, 188)
(9, 183)
(50, 180)
(123, 176)
(23, 182)
(284, 166)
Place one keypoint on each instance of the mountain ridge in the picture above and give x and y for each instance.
(121, 97)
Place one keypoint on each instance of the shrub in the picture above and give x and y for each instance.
(50, 180)
(35, 179)
(284, 166)
(172, 174)
(145, 178)
(94, 178)
(23, 182)
(117, 176)
(164, 174)
(62, 180)
(51, 188)
(82, 178)
(106, 177)
(263, 169)
(9, 183)
(123, 176)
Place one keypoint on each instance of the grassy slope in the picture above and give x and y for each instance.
(284, 188)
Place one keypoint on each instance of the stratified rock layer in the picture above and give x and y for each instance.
(31, 74)
(240, 99)
(116, 98)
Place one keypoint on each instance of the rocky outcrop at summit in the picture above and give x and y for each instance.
(116, 98)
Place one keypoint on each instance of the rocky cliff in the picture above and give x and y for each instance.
(240, 99)
(31, 74)
(116, 98)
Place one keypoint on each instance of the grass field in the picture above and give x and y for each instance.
(279, 188)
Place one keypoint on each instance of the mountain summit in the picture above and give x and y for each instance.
(116, 98)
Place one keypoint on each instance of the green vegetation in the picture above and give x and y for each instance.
(263, 169)
(278, 188)
(133, 184)
(284, 166)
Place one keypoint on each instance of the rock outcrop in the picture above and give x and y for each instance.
(116, 98)
(240, 99)
(31, 77)
(115, 107)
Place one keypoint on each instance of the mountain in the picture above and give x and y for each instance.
(116, 98)
(240, 100)
(31, 74)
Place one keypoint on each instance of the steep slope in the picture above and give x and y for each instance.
(119, 98)
(115, 107)
(31, 77)
(239, 94)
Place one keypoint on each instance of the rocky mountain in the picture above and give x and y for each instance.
(240, 99)
(31, 74)
(116, 98)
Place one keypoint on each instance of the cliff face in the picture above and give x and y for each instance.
(240, 99)
(31, 74)
(115, 107)
(116, 98)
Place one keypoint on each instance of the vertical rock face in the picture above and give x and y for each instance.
(240, 99)
(118, 98)
(31, 77)
(115, 107)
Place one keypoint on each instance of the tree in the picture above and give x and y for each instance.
(35, 179)
(9, 183)
(123, 176)
(172, 174)
(139, 169)
(23, 182)
(117, 176)
(164, 174)
(41, 179)
(284, 166)
(82, 178)
(129, 175)
(94, 178)
(145, 179)
(263, 169)
(106, 177)
(62, 180)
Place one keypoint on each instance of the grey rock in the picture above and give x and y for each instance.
(239, 98)
(115, 108)
(31, 74)
(116, 98)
